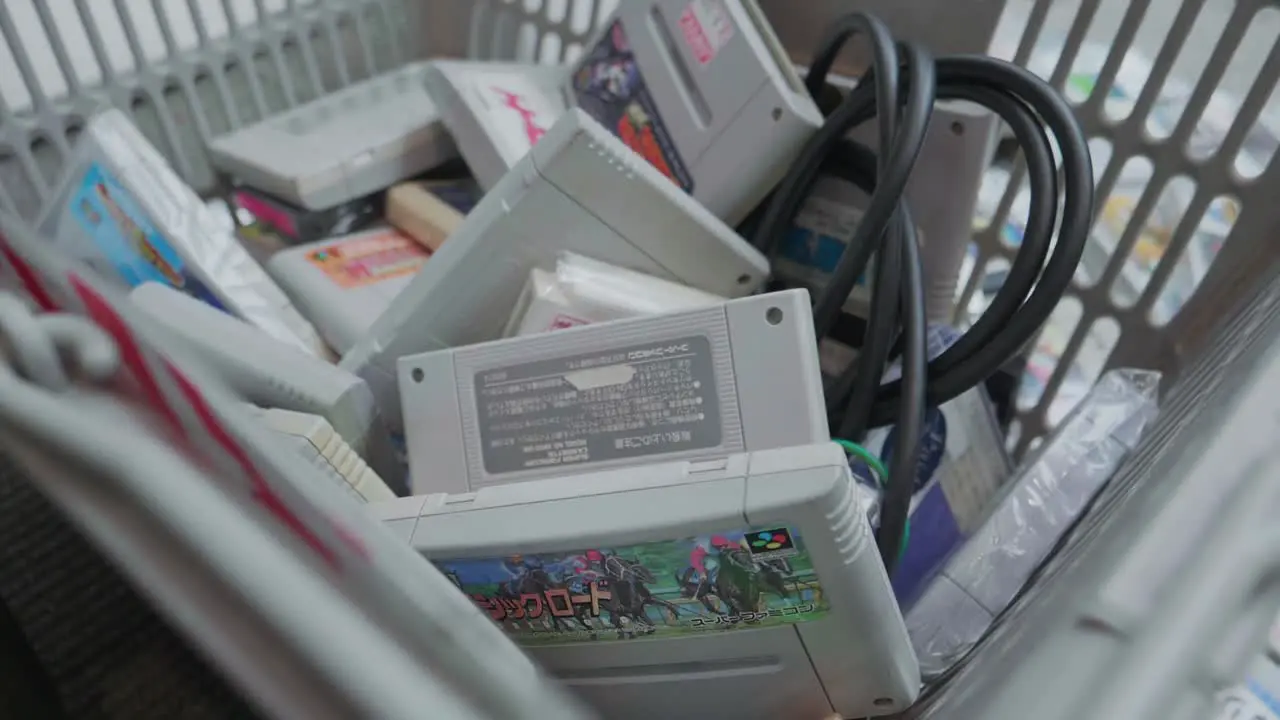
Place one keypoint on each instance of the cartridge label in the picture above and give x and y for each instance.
(628, 402)
(707, 28)
(125, 243)
(369, 259)
(755, 578)
(823, 227)
(609, 87)
(520, 111)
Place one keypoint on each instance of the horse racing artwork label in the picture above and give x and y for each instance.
(719, 582)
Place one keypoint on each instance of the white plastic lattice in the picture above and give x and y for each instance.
(1175, 95)
(185, 71)
(1177, 99)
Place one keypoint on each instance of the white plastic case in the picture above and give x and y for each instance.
(345, 145)
(345, 284)
(598, 577)
(704, 91)
(579, 190)
(739, 376)
(583, 291)
(123, 210)
(496, 111)
(326, 450)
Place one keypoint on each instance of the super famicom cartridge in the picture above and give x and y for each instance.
(496, 111)
(704, 91)
(733, 377)
(748, 587)
(345, 145)
(345, 284)
(580, 190)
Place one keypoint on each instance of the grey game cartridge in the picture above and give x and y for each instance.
(738, 376)
(272, 374)
(345, 145)
(704, 91)
(748, 587)
(579, 190)
(496, 111)
(327, 451)
(345, 284)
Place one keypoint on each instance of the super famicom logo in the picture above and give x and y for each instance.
(763, 542)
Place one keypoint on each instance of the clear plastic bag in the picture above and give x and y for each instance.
(1041, 501)
(582, 291)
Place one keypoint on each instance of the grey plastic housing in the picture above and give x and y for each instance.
(340, 314)
(738, 119)
(580, 190)
(855, 662)
(345, 145)
(327, 451)
(765, 384)
(491, 129)
(273, 375)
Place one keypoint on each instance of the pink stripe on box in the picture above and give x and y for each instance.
(267, 213)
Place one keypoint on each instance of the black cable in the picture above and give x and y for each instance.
(895, 504)
(1001, 331)
(886, 226)
(899, 91)
(1031, 256)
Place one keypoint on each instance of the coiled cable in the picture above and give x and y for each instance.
(899, 91)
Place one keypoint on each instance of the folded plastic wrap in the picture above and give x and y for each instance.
(582, 291)
(1040, 503)
(123, 210)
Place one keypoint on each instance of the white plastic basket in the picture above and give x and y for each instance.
(1176, 97)
(1178, 191)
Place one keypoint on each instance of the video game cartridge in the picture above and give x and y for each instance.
(496, 111)
(704, 91)
(580, 190)
(748, 586)
(342, 146)
(734, 377)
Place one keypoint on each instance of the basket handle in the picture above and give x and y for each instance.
(1213, 617)
(43, 348)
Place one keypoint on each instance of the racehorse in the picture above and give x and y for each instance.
(699, 589)
(774, 574)
(741, 582)
(630, 595)
(740, 590)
